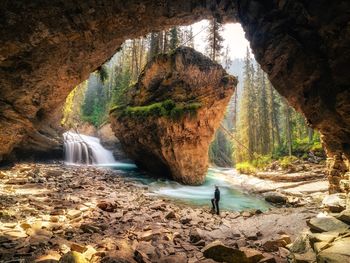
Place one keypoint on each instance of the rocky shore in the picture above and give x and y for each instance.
(53, 213)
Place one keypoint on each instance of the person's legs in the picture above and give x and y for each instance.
(217, 207)
(212, 202)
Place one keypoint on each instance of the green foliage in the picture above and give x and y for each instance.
(287, 161)
(167, 108)
(245, 168)
(72, 107)
(316, 147)
(103, 73)
(261, 161)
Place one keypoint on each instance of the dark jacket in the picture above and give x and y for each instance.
(217, 194)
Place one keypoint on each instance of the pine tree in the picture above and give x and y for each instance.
(214, 39)
(174, 38)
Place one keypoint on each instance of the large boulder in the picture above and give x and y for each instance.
(171, 114)
(327, 223)
(221, 253)
(338, 252)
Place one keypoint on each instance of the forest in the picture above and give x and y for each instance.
(259, 125)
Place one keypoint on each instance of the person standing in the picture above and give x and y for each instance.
(215, 200)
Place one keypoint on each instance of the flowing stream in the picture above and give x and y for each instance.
(83, 149)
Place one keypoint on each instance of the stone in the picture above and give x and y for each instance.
(89, 228)
(345, 216)
(181, 113)
(267, 259)
(335, 202)
(221, 253)
(195, 235)
(143, 252)
(78, 248)
(173, 259)
(170, 215)
(185, 220)
(327, 223)
(273, 245)
(275, 198)
(326, 237)
(107, 206)
(337, 252)
(72, 214)
(73, 257)
(307, 257)
(146, 236)
(319, 246)
(89, 252)
(301, 244)
(252, 255)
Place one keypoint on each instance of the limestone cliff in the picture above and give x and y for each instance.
(172, 112)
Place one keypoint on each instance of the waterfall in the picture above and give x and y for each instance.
(83, 149)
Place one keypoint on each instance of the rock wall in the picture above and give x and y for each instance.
(171, 114)
(48, 47)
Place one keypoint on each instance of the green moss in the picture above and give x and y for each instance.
(167, 108)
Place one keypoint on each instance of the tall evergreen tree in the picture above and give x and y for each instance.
(214, 39)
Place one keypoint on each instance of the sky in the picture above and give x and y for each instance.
(232, 33)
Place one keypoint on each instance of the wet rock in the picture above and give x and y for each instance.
(335, 202)
(327, 223)
(221, 253)
(275, 198)
(72, 257)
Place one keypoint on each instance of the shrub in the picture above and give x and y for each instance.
(262, 161)
(245, 168)
(287, 161)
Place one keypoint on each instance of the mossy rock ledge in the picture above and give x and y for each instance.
(171, 114)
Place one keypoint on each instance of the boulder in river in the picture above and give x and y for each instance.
(171, 114)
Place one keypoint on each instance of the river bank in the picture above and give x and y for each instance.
(49, 210)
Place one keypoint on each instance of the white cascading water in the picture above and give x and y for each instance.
(83, 149)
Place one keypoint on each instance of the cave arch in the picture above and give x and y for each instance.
(48, 47)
